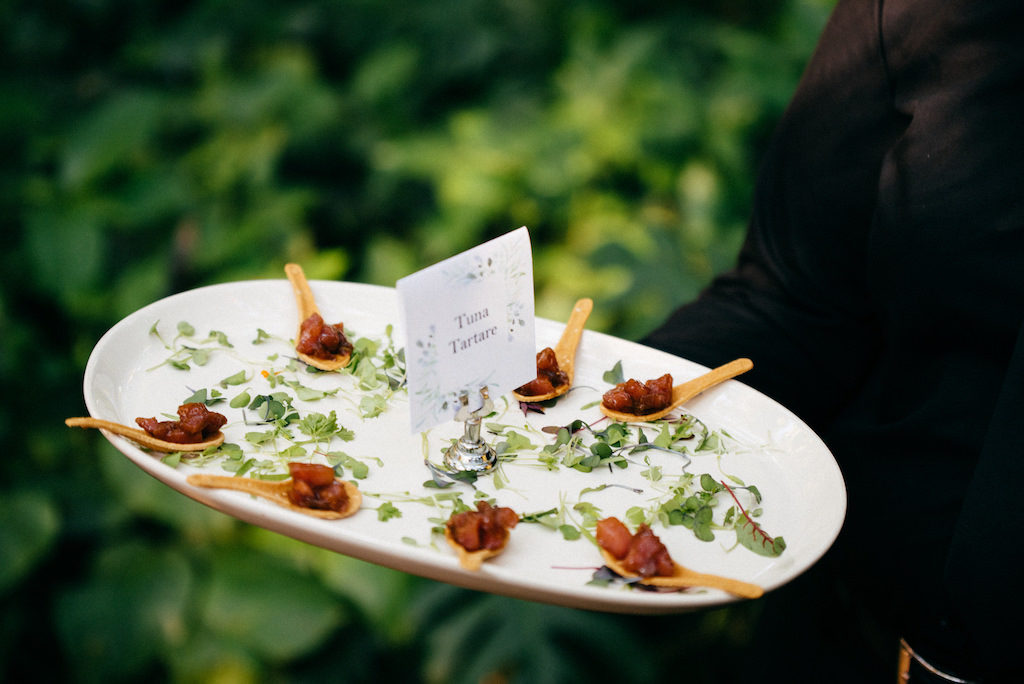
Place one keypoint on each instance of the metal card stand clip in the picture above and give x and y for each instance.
(471, 452)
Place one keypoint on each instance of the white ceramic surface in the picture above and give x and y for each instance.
(804, 494)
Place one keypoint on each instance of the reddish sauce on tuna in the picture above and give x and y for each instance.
(549, 375)
(322, 341)
(195, 424)
(639, 398)
(485, 528)
(641, 553)
(314, 486)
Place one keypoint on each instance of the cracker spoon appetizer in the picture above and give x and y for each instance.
(303, 493)
(480, 534)
(143, 438)
(683, 577)
(565, 356)
(643, 555)
(333, 355)
(684, 392)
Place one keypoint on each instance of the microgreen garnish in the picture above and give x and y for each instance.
(262, 336)
(304, 393)
(528, 407)
(172, 458)
(751, 535)
(202, 396)
(340, 460)
(378, 365)
(563, 520)
(182, 355)
(444, 503)
(320, 427)
(373, 405)
(614, 375)
(238, 378)
(555, 519)
(602, 487)
(273, 408)
(386, 511)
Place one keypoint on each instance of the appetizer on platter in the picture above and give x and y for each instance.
(549, 376)
(317, 344)
(195, 423)
(196, 429)
(556, 366)
(641, 398)
(322, 341)
(633, 401)
(314, 486)
(643, 555)
(480, 534)
(313, 489)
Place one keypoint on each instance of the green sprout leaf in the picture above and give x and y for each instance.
(339, 459)
(237, 379)
(614, 375)
(387, 511)
(202, 396)
(240, 400)
(750, 535)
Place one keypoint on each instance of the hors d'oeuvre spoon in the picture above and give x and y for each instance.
(684, 577)
(642, 555)
(564, 355)
(313, 331)
(143, 438)
(684, 392)
(347, 498)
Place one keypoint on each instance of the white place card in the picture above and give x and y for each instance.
(469, 324)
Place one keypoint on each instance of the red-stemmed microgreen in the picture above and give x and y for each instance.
(750, 534)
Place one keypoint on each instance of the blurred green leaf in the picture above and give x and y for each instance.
(142, 495)
(379, 594)
(29, 524)
(65, 249)
(267, 606)
(131, 608)
(116, 133)
(476, 637)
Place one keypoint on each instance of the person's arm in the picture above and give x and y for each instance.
(798, 302)
(985, 558)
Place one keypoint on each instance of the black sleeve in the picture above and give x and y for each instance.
(796, 303)
(985, 558)
(808, 360)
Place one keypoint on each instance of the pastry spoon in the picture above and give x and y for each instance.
(307, 307)
(684, 577)
(565, 350)
(685, 391)
(278, 493)
(142, 437)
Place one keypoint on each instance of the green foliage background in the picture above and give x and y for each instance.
(149, 147)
